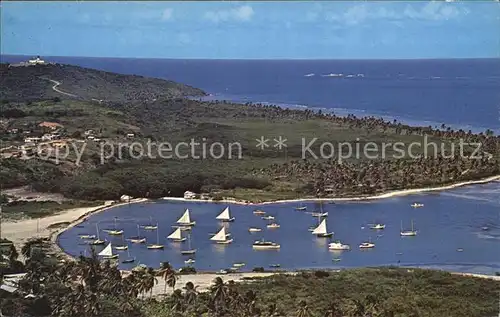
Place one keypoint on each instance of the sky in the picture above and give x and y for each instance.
(253, 30)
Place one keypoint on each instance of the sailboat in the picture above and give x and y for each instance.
(408, 233)
(107, 253)
(123, 246)
(367, 245)
(320, 213)
(114, 232)
(98, 241)
(225, 216)
(301, 207)
(189, 250)
(150, 226)
(185, 220)
(221, 237)
(157, 245)
(129, 259)
(321, 230)
(176, 236)
(138, 238)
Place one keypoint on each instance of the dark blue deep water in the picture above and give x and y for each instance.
(461, 93)
(449, 221)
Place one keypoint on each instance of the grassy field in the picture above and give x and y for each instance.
(39, 209)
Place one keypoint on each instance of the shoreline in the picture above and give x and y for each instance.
(20, 231)
(390, 194)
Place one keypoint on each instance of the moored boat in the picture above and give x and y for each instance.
(156, 246)
(408, 233)
(87, 236)
(367, 245)
(97, 241)
(268, 218)
(273, 225)
(337, 245)
(189, 251)
(189, 261)
(262, 244)
(377, 226)
(137, 238)
(417, 205)
(252, 229)
(259, 212)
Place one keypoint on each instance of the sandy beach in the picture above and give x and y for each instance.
(20, 231)
(395, 193)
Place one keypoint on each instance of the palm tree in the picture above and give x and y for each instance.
(167, 272)
(219, 290)
(303, 310)
(191, 293)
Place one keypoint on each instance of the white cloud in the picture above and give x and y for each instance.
(167, 14)
(243, 13)
(433, 10)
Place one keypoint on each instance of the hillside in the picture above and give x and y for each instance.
(24, 83)
(259, 174)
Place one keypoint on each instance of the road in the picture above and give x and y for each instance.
(56, 83)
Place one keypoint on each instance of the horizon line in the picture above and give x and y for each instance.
(256, 59)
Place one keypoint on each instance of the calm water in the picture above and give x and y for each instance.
(449, 220)
(460, 93)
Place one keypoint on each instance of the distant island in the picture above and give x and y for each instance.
(57, 106)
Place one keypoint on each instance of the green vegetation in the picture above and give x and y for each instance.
(91, 288)
(267, 174)
(39, 209)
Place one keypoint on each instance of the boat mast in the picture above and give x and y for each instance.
(97, 228)
(157, 235)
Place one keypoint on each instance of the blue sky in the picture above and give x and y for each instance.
(287, 30)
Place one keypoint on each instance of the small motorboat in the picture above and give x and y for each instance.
(239, 264)
(268, 217)
(189, 261)
(460, 250)
(301, 208)
(259, 212)
(87, 236)
(274, 265)
(121, 247)
(273, 225)
(417, 205)
(254, 229)
(265, 245)
(336, 259)
(378, 226)
(114, 232)
(367, 245)
(98, 242)
(337, 245)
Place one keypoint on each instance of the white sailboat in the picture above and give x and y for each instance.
(367, 245)
(221, 237)
(408, 233)
(377, 226)
(107, 252)
(157, 245)
(114, 232)
(123, 246)
(138, 238)
(189, 250)
(176, 236)
(150, 226)
(98, 241)
(225, 216)
(321, 230)
(185, 220)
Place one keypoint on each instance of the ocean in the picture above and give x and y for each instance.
(462, 93)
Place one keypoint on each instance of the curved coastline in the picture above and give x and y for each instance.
(69, 215)
(390, 194)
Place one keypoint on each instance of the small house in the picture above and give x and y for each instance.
(50, 125)
(130, 135)
(189, 195)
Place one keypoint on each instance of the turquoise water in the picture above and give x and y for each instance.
(450, 220)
